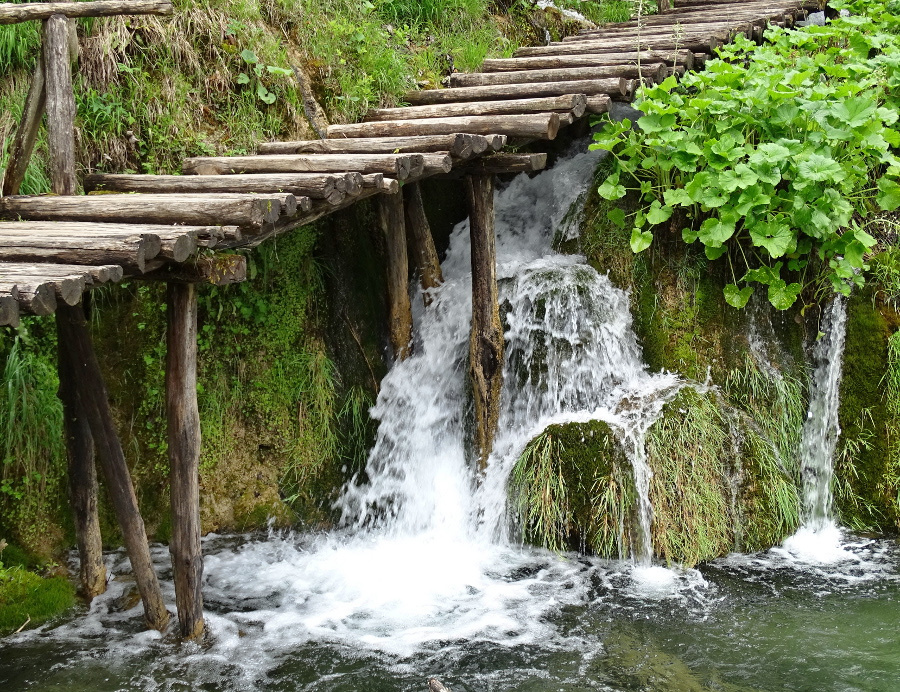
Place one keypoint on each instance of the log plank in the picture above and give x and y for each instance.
(60, 105)
(14, 14)
(653, 70)
(548, 62)
(517, 91)
(395, 165)
(538, 125)
(574, 103)
(457, 144)
(26, 134)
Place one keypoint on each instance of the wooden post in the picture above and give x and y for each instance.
(421, 243)
(390, 216)
(60, 105)
(486, 342)
(184, 455)
(83, 490)
(23, 145)
(75, 345)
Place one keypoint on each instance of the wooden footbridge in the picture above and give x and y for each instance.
(176, 229)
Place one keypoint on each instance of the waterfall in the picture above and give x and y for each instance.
(822, 429)
(570, 355)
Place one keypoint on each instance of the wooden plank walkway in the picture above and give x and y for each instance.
(50, 246)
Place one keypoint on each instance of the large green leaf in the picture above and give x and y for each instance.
(737, 297)
(714, 232)
(657, 122)
(777, 238)
(611, 189)
(782, 295)
(820, 168)
(854, 112)
(640, 241)
(888, 194)
(658, 213)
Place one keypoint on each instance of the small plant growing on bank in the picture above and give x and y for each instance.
(256, 74)
(772, 157)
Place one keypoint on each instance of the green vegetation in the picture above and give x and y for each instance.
(773, 157)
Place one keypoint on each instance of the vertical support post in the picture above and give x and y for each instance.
(183, 417)
(60, 105)
(486, 342)
(83, 489)
(26, 134)
(76, 346)
(390, 216)
(421, 243)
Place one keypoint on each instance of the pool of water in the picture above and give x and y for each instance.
(332, 614)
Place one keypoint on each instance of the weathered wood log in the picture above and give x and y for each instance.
(615, 33)
(178, 248)
(678, 71)
(352, 183)
(435, 164)
(13, 14)
(315, 114)
(502, 164)
(99, 274)
(129, 251)
(456, 144)
(75, 345)
(183, 416)
(26, 134)
(68, 287)
(496, 142)
(514, 91)
(312, 185)
(421, 243)
(60, 105)
(569, 103)
(219, 270)
(377, 181)
(393, 226)
(83, 487)
(598, 104)
(36, 297)
(696, 43)
(695, 18)
(549, 62)
(462, 79)
(486, 342)
(395, 165)
(691, 6)
(250, 212)
(537, 125)
(9, 307)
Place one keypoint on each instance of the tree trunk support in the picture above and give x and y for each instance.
(486, 342)
(60, 105)
(421, 243)
(83, 489)
(23, 145)
(75, 345)
(184, 455)
(390, 216)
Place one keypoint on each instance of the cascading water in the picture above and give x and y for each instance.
(819, 537)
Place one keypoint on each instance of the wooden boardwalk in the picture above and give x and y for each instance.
(54, 248)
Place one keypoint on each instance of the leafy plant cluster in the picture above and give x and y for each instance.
(256, 73)
(773, 157)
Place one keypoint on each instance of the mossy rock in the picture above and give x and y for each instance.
(573, 488)
(865, 465)
(28, 598)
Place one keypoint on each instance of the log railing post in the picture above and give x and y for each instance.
(393, 226)
(486, 342)
(184, 455)
(60, 105)
(421, 243)
(83, 489)
(26, 134)
(76, 346)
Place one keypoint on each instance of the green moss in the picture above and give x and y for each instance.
(573, 488)
(689, 449)
(25, 597)
(865, 496)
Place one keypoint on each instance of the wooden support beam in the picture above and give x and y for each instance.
(703, 42)
(183, 415)
(436, 164)
(376, 181)
(312, 185)
(218, 270)
(393, 226)
(421, 243)
(516, 91)
(400, 166)
(60, 105)
(486, 342)
(598, 104)
(91, 274)
(464, 79)
(250, 212)
(459, 145)
(83, 488)
(549, 62)
(569, 103)
(535, 125)
(26, 134)
(502, 164)
(14, 14)
(75, 345)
